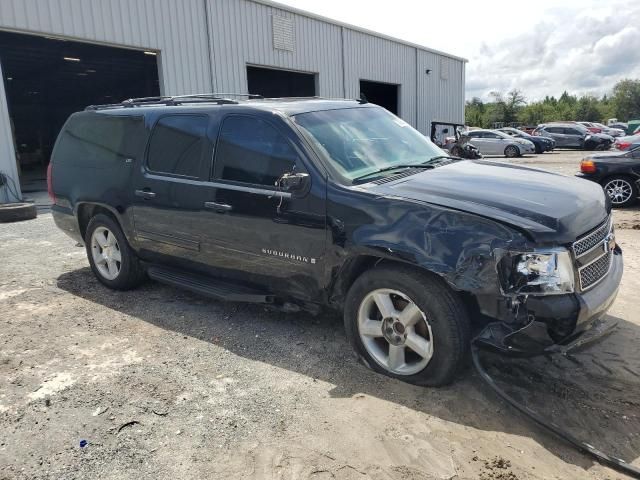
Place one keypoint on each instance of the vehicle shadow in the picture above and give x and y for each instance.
(593, 394)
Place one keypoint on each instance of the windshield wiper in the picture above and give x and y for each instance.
(442, 157)
(393, 167)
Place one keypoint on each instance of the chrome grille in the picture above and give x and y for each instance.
(593, 239)
(595, 271)
(583, 248)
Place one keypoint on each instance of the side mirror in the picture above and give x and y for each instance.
(293, 182)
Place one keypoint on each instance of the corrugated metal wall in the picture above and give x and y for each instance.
(381, 60)
(7, 152)
(241, 34)
(194, 58)
(176, 28)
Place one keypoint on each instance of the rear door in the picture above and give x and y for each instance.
(257, 232)
(170, 189)
(495, 144)
(557, 133)
(573, 137)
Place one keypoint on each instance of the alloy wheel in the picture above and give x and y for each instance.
(395, 332)
(106, 253)
(619, 191)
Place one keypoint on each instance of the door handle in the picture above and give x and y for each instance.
(145, 193)
(218, 207)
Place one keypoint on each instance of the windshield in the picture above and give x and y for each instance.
(361, 141)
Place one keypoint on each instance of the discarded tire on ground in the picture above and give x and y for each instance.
(15, 212)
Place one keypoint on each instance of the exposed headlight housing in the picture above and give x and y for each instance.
(540, 272)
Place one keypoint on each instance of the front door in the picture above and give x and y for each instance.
(257, 231)
(171, 189)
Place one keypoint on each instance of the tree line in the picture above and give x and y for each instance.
(623, 103)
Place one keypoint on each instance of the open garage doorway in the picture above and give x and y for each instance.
(272, 83)
(46, 79)
(383, 94)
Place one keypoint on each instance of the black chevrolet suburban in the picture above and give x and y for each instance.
(317, 203)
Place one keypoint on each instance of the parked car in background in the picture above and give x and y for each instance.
(541, 144)
(613, 131)
(573, 135)
(619, 125)
(617, 172)
(627, 143)
(495, 142)
(590, 126)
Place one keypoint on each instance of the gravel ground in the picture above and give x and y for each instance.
(164, 384)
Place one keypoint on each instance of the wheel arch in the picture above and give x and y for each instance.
(514, 145)
(356, 265)
(87, 210)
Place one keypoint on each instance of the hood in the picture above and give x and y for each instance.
(551, 208)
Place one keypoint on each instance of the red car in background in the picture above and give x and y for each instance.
(591, 127)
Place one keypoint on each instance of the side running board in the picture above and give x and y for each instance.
(209, 287)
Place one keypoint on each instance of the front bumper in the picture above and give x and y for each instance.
(574, 314)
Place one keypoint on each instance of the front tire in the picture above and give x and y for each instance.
(111, 258)
(407, 325)
(622, 191)
(511, 151)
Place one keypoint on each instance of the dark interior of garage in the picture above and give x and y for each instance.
(47, 79)
(272, 83)
(383, 94)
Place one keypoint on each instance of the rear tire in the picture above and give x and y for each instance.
(434, 335)
(512, 151)
(112, 260)
(622, 191)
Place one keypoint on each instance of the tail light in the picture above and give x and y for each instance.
(52, 195)
(587, 166)
(622, 145)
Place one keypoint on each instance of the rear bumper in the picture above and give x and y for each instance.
(66, 221)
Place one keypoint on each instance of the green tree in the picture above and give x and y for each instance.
(623, 103)
(626, 99)
(587, 109)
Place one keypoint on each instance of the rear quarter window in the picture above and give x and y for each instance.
(100, 141)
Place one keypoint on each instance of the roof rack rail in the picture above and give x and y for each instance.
(218, 98)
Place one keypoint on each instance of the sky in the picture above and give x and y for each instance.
(540, 47)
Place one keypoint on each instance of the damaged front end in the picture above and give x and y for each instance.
(555, 297)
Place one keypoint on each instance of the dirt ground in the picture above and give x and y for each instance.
(164, 384)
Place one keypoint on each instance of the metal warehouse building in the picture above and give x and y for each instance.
(57, 56)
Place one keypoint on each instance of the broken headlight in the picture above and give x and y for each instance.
(541, 272)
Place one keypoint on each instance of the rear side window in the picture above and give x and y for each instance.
(251, 150)
(178, 144)
(554, 129)
(572, 131)
(97, 140)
